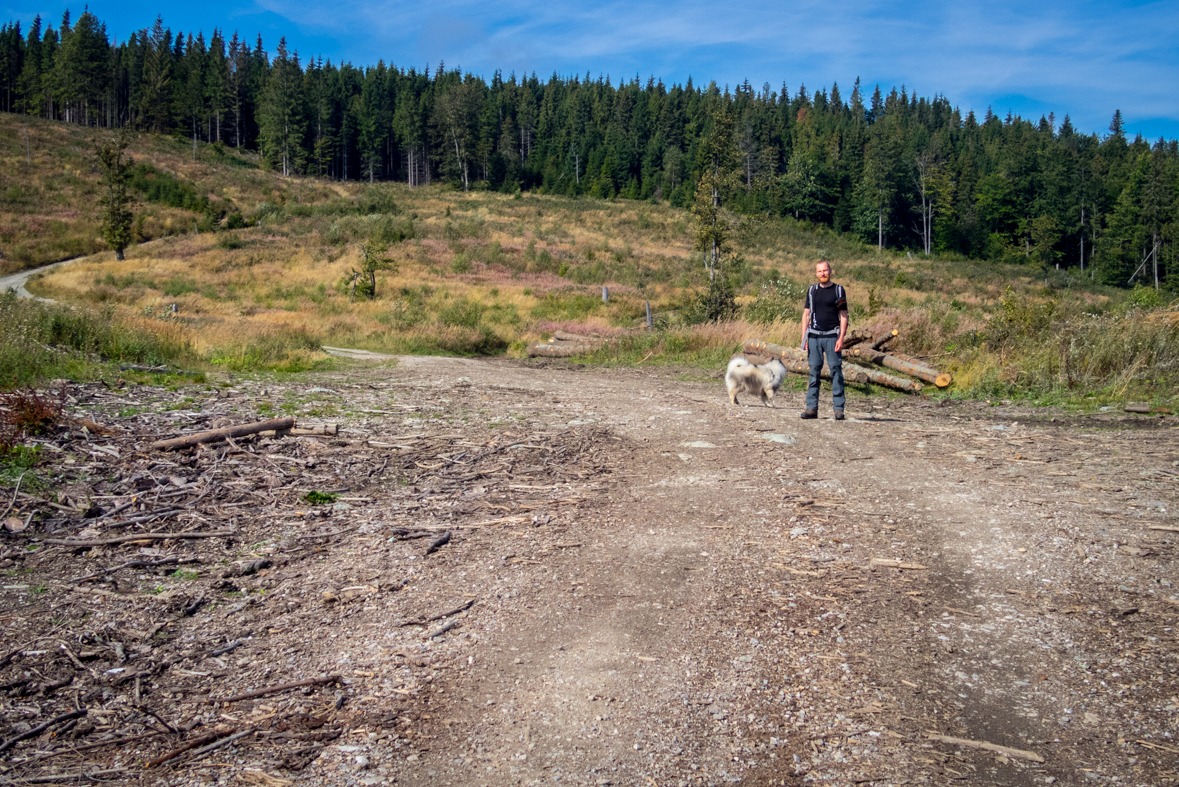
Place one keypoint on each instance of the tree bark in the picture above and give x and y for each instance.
(214, 435)
(794, 359)
(909, 367)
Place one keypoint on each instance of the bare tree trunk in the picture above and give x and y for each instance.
(879, 229)
(1155, 237)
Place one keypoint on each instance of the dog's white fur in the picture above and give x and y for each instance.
(763, 381)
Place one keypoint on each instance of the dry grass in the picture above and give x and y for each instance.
(49, 188)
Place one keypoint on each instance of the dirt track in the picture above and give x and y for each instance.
(690, 597)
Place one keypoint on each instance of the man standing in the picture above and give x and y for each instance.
(824, 324)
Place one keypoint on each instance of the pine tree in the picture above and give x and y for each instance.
(715, 159)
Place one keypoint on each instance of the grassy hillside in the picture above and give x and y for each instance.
(486, 272)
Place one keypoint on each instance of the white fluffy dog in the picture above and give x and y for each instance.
(763, 381)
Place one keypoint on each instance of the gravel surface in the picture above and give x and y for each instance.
(643, 585)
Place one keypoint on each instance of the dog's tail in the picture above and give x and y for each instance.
(738, 363)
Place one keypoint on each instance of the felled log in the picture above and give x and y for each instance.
(560, 349)
(862, 374)
(1145, 409)
(856, 336)
(885, 339)
(563, 336)
(795, 361)
(911, 368)
(213, 435)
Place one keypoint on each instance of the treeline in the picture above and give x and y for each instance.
(899, 170)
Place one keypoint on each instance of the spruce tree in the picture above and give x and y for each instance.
(116, 202)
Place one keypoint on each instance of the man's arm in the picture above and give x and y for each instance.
(806, 318)
(842, 330)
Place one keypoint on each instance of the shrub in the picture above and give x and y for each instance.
(229, 240)
(463, 313)
(780, 299)
(27, 412)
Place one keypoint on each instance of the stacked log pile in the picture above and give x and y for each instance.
(795, 360)
(566, 345)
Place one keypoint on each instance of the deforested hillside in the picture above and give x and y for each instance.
(894, 169)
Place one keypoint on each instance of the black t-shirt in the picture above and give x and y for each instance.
(825, 304)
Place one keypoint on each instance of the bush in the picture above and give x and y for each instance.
(1145, 297)
(463, 313)
(716, 304)
(779, 300)
(27, 412)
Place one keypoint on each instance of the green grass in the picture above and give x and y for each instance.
(43, 341)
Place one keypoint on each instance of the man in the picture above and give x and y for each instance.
(824, 324)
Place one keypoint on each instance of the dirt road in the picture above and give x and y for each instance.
(668, 590)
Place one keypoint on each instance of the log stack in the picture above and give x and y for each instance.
(795, 360)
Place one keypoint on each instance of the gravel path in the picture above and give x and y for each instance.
(643, 586)
(17, 281)
(719, 619)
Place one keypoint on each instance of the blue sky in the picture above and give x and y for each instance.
(1080, 58)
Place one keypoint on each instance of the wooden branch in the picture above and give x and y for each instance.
(445, 627)
(884, 562)
(213, 435)
(563, 336)
(192, 744)
(249, 695)
(1145, 409)
(201, 752)
(71, 542)
(860, 374)
(438, 543)
(856, 336)
(40, 728)
(1004, 750)
(440, 616)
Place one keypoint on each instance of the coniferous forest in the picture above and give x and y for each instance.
(898, 170)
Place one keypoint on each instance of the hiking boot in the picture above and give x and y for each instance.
(808, 414)
(839, 415)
